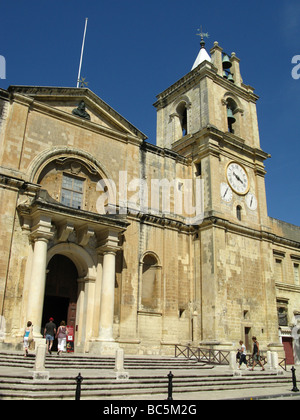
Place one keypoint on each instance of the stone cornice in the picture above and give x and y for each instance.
(162, 221)
(211, 140)
(262, 235)
(18, 184)
(170, 154)
(86, 220)
(288, 287)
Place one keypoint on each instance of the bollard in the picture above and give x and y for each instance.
(295, 389)
(79, 379)
(170, 386)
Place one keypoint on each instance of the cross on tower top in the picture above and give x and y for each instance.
(203, 35)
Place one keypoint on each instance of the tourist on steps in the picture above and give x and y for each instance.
(256, 355)
(49, 333)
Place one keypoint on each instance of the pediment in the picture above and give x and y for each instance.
(68, 100)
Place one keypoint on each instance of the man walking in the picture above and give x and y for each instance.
(49, 334)
(256, 355)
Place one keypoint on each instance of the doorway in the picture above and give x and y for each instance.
(248, 338)
(61, 293)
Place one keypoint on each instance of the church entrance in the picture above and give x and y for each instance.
(61, 293)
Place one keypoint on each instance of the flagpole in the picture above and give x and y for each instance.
(81, 55)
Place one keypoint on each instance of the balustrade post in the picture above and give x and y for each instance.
(295, 389)
(79, 379)
(170, 386)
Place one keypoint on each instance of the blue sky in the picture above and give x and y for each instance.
(136, 49)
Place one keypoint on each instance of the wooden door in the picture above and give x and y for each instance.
(288, 348)
(71, 320)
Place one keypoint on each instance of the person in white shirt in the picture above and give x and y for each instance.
(243, 354)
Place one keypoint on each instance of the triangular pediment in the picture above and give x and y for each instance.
(69, 101)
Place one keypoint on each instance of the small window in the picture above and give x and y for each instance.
(239, 213)
(72, 192)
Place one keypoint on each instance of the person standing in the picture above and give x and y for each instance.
(62, 337)
(256, 354)
(27, 337)
(243, 355)
(49, 333)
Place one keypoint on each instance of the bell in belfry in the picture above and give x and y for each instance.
(230, 77)
(230, 116)
(226, 62)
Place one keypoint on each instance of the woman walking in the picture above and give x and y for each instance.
(243, 355)
(27, 337)
(62, 337)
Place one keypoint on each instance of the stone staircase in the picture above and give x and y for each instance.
(148, 377)
(71, 361)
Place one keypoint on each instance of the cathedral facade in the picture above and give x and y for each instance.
(144, 246)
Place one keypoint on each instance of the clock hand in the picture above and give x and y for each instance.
(238, 178)
(225, 192)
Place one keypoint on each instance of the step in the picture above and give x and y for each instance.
(77, 362)
(188, 377)
(87, 393)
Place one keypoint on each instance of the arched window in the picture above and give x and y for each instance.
(231, 119)
(151, 283)
(183, 117)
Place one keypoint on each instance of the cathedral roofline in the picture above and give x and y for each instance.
(42, 93)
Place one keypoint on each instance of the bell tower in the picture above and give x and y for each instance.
(210, 116)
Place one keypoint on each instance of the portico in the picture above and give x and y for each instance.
(91, 244)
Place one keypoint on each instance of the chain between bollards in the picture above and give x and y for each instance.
(170, 386)
(295, 389)
(79, 379)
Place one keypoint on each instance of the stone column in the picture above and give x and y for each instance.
(105, 343)
(107, 296)
(35, 304)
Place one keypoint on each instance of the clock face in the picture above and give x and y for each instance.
(251, 201)
(226, 192)
(237, 178)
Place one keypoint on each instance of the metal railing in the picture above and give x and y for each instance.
(209, 356)
(217, 357)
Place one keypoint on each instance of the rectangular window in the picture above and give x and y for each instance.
(72, 192)
(296, 273)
